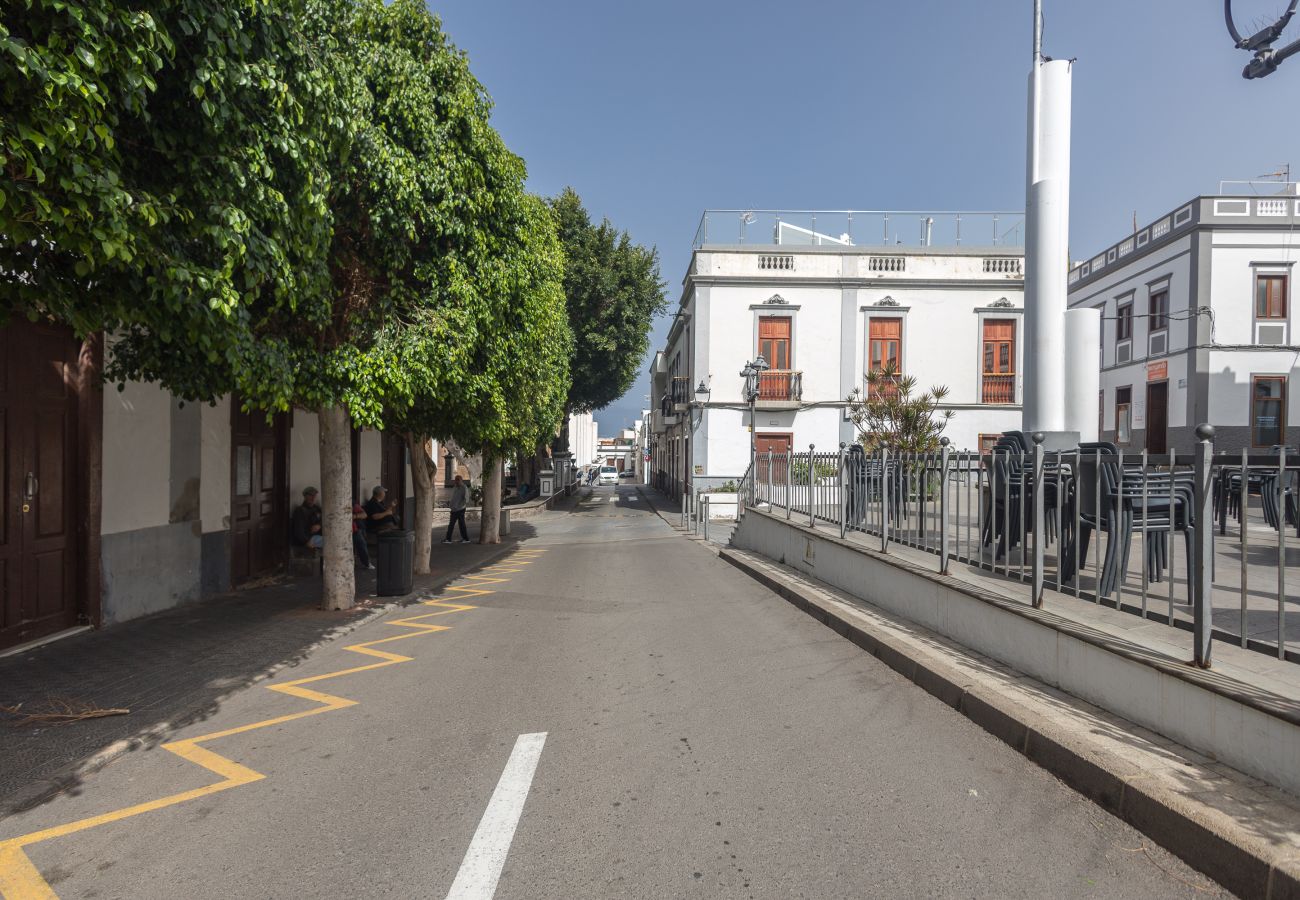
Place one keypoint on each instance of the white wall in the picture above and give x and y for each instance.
(582, 438)
(137, 458)
(942, 342)
(370, 467)
(942, 335)
(214, 466)
(304, 454)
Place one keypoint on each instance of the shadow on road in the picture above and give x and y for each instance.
(177, 667)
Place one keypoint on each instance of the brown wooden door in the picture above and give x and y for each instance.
(1158, 417)
(38, 434)
(259, 495)
(779, 445)
(392, 472)
(999, 361)
(774, 334)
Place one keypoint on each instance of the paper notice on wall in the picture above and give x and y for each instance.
(1139, 414)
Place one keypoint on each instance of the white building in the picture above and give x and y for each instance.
(582, 439)
(619, 452)
(1196, 326)
(823, 309)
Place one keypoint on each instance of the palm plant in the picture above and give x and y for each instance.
(889, 414)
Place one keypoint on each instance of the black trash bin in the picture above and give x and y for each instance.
(395, 563)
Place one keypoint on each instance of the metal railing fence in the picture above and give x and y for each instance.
(1200, 541)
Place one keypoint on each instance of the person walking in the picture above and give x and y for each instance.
(459, 500)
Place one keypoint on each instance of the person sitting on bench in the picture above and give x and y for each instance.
(306, 521)
(382, 515)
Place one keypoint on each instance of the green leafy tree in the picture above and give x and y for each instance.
(158, 174)
(508, 389)
(613, 292)
(890, 414)
(413, 173)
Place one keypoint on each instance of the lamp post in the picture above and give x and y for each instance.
(701, 399)
(702, 394)
(753, 375)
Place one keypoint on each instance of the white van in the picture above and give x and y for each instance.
(608, 475)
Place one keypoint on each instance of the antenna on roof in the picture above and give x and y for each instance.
(1284, 173)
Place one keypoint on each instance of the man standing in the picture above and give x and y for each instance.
(305, 523)
(459, 500)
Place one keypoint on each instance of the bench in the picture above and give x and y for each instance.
(304, 562)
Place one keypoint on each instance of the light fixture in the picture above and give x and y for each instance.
(702, 392)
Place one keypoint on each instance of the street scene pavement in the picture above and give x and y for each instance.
(604, 710)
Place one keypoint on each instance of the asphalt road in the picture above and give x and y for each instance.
(702, 739)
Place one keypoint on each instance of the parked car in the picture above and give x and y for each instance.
(627, 474)
(608, 475)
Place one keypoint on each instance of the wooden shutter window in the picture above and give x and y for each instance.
(999, 382)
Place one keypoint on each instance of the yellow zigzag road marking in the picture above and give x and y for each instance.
(20, 880)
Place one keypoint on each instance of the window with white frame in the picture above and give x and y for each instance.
(1124, 332)
(1272, 306)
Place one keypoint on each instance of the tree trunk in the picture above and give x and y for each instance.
(490, 512)
(561, 442)
(339, 589)
(424, 472)
(473, 464)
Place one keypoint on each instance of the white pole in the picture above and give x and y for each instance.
(1047, 218)
(1082, 340)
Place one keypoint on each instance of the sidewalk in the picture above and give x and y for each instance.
(177, 667)
(720, 530)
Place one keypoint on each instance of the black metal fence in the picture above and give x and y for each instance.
(1202, 542)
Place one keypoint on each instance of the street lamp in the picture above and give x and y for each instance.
(753, 375)
(1265, 59)
(702, 394)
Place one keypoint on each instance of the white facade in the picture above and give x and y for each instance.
(582, 438)
(1204, 364)
(939, 300)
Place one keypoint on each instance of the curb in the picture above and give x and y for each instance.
(1230, 855)
(74, 773)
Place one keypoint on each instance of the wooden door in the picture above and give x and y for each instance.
(259, 505)
(779, 445)
(774, 334)
(38, 437)
(392, 471)
(1158, 417)
(999, 359)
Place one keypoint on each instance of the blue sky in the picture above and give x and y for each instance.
(655, 111)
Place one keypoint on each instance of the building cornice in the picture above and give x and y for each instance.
(842, 282)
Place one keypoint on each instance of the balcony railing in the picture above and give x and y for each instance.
(780, 386)
(885, 388)
(681, 389)
(857, 228)
(999, 389)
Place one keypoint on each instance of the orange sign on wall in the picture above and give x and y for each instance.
(1158, 371)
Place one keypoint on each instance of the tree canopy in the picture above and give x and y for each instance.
(162, 173)
(299, 200)
(613, 292)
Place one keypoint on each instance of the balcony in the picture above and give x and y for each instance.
(779, 389)
(885, 388)
(999, 389)
(680, 392)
